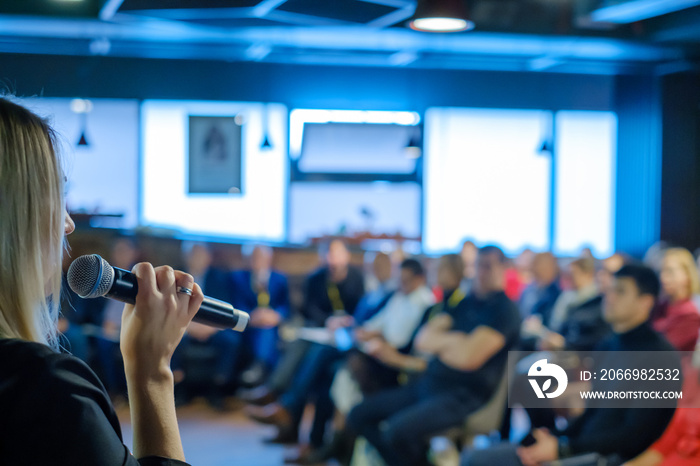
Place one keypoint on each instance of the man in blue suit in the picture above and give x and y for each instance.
(264, 294)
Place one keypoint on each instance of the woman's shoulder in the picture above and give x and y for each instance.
(57, 398)
(31, 366)
(24, 356)
(29, 354)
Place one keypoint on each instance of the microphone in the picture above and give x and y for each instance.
(91, 276)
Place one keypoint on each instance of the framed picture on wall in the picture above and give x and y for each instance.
(214, 155)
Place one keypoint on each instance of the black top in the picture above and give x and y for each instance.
(625, 431)
(495, 311)
(318, 306)
(55, 411)
(584, 327)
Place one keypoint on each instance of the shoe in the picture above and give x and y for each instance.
(287, 436)
(254, 375)
(305, 455)
(259, 396)
(274, 414)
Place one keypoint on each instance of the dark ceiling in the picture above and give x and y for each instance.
(588, 36)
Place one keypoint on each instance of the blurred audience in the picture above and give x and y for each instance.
(396, 368)
(332, 291)
(394, 324)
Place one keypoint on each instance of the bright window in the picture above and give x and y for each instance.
(586, 146)
(485, 179)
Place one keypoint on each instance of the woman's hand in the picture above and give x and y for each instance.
(154, 325)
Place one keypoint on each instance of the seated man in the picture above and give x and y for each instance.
(264, 294)
(469, 344)
(625, 431)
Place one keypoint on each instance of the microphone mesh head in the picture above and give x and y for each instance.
(90, 276)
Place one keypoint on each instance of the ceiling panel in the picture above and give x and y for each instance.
(353, 11)
(129, 5)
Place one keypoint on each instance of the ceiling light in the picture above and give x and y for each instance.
(441, 16)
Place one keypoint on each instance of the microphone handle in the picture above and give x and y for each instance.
(125, 287)
(212, 312)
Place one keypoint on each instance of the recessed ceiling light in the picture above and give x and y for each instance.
(441, 16)
(441, 24)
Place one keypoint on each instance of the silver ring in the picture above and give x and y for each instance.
(182, 289)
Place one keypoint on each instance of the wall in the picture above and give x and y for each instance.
(680, 186)
(301, 86)
(636, 99)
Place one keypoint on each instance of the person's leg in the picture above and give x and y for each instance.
(283, 375)
(408, 431)
(365, 418)
(314, 368)
(324, 406)
(264, 342)
(228, 347)
(502, 454)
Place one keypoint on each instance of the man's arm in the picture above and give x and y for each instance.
(430, 338)
(384, 352)
(459, 350)
(470, 351)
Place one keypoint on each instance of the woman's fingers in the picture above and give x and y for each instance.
(165, 278)
(188, 302)
(146, 276)
(195, 301)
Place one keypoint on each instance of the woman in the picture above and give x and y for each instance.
(54, 409)
(678, 318)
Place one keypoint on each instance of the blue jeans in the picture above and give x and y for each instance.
(264, 344)
(314, 378)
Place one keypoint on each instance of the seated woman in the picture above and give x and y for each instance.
(54, 408)
(677, 316)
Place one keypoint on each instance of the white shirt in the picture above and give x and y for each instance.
(399, 318)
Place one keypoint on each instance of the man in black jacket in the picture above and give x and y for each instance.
(621, 432)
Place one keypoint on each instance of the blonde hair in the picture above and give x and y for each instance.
(688, 263)
(32, 218)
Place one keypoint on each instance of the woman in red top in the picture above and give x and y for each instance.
(678, 318)
(680, 443)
